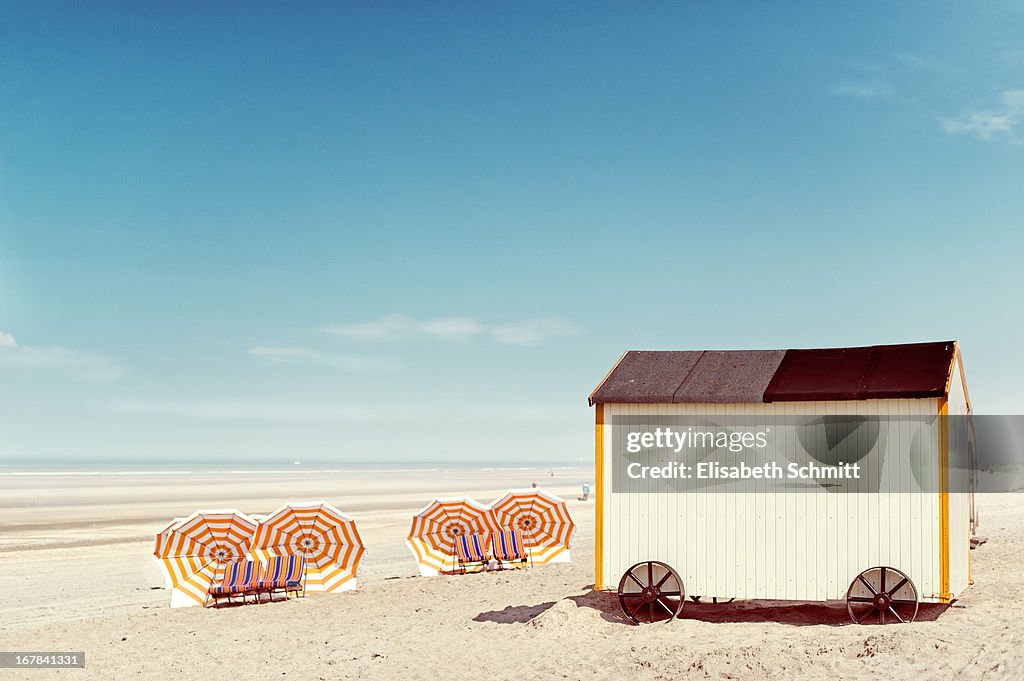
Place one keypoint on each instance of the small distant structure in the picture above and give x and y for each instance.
(884, 551)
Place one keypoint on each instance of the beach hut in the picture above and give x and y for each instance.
(894, 532)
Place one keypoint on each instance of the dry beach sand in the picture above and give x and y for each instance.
(77, 575)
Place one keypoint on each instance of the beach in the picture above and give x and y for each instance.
(77, 574)
(91, 532)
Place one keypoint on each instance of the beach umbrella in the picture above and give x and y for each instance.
(196, 549)
(543, 519)
(324, 535)
(435, 528)
(162, 537)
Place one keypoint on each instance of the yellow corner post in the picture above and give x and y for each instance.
(944, 593)
(599, 501)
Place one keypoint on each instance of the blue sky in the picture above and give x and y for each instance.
(388, 231)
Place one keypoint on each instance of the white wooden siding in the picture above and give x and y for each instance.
(801, 546)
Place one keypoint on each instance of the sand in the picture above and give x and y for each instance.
(77, 575)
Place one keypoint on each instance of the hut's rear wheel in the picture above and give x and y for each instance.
(651, 592)
(880, 595)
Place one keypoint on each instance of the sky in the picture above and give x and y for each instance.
(423, 232)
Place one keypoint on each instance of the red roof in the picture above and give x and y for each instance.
(877, 372)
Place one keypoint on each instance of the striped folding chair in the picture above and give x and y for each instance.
(270, 574)
(470, 549)
(507, 547)
(293, 577)
(238, 580)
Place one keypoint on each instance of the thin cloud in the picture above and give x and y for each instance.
(926, 64)
(360, 363)
(531, 332)
(1013, 56)
(860, 90)
(385, 328)
(1000, 122)
(280, 354)
(460, 329)
(452, 328)
(396, 326)
(862, 65)
(337, 413)
(232, 410)
(72, 363)
(896, 76)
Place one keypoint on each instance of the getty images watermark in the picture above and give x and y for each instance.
(837, 453)
(733, 440)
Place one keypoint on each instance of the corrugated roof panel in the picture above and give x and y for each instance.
(877, 372)
(730, 376)
(646, 376)
(896, 370)
(826, 374)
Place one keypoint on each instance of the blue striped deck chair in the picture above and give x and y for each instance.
(238, 580)
(507, 547)
(470, 550)
(282, 573)
(270, 574)
(293, 578)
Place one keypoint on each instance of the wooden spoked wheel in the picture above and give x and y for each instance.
(881, 595)
(651, 592)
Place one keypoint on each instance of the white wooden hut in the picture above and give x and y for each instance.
(806, 546)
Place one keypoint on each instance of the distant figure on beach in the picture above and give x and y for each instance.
(586, 492)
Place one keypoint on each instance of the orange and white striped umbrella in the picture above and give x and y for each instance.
(162, 537)
(543, 519)
(195, 550)
(434, 529)
(317, 530)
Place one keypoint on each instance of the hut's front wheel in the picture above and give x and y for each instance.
(651, 592)
(880, 595)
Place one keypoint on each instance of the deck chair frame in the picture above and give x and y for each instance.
(238, 585)
(464, 562)
(527, 557)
